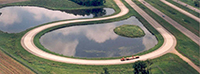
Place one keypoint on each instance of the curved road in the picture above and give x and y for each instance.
(168, 45)
(179, 27)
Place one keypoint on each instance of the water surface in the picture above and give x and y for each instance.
(97, 40)
(19, 18)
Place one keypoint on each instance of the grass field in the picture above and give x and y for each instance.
(184, 45)
(52, 4)
(170, 64)
(184, 8)
(131, 31)
(182, 19)
(11, 44)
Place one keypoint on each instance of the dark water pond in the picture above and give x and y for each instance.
(19, 18)
(97, 40)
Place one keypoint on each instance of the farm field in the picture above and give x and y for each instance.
(10, 66)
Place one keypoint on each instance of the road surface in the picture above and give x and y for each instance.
(160, 14)
(185, 31)
(188, 6)
(28, 44)
(181, 10)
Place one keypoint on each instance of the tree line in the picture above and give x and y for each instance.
(90, 2)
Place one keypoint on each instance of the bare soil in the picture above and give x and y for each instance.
(10, 66)
(10, 1)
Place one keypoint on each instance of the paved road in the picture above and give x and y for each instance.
(188, 6)
(187, 60)
(185, 31)
(173, 51)
(181, 10)
(168, 45)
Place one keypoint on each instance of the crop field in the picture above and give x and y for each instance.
(10, 66)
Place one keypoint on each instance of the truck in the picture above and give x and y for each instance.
(129, 58)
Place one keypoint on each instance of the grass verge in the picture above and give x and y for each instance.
(171, 64)
(177, 16)
(190, 2)
(184, 8)
(184, 44)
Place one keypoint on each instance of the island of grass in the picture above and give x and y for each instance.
(130, 31)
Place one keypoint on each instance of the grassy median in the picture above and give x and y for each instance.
(190, 2)
(184, 8)
(180, 18)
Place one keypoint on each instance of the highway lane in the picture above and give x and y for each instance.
(185, 31)
(28, 44)
(181, 10)
(173, 51)
(188, 6)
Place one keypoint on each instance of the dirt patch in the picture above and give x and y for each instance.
(10, 1)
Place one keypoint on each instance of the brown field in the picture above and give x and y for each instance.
(10, 1)
(10, 66)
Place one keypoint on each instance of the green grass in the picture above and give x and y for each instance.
(11, 44)
(171, 64)
(184, 45)
(131, 31)
(180, 18)
(190, 2)
(184, 8)
(52, 4)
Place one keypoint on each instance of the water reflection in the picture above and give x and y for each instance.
(86, 12)
(97, 40)
(17, 19)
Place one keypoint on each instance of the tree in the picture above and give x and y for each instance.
(140, 67)
(90, 2)
(105, 71)
(196, 3)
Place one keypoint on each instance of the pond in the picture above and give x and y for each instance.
(97, 40)
(19, 18)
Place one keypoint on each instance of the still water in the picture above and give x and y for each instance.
(97, 40)
(19, 18)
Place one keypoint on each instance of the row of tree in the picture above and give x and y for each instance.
(90, 2)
